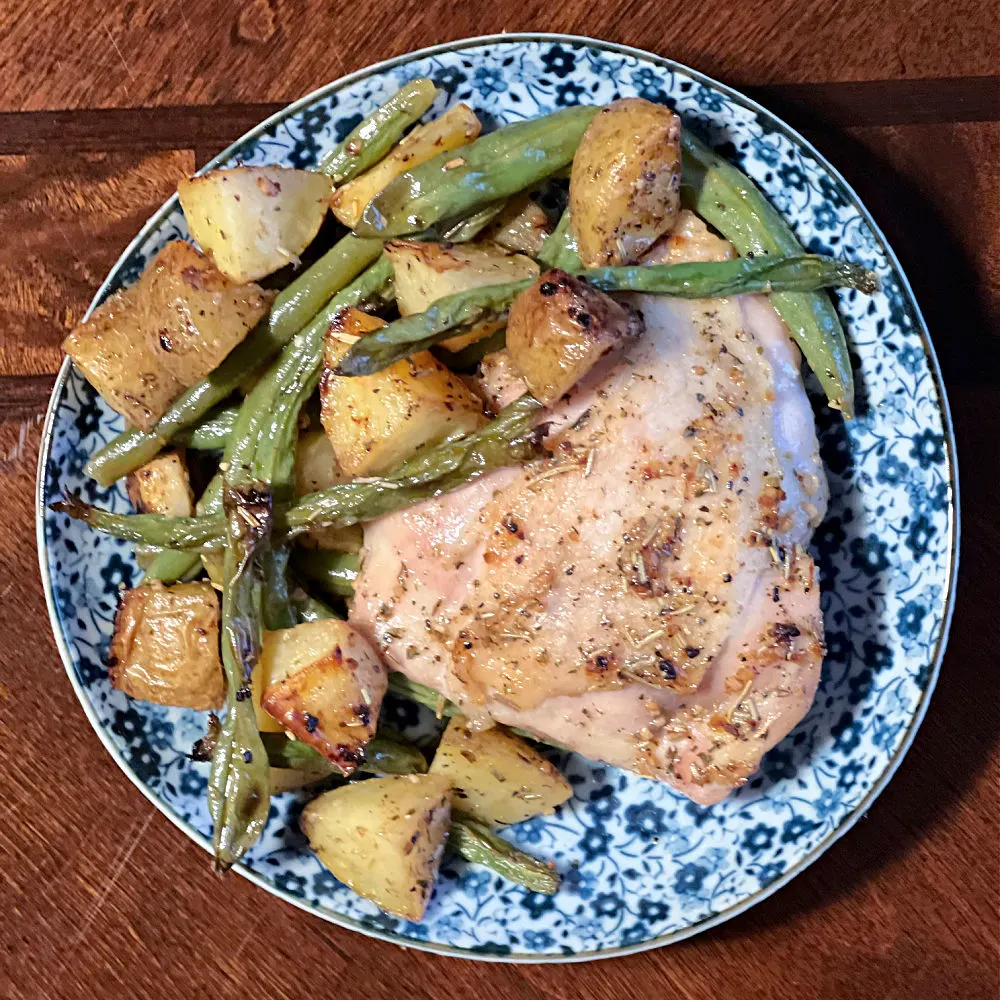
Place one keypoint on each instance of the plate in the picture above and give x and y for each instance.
(641, 865)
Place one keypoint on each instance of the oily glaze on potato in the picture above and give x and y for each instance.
(560, 328)
(324, 684)
(165, 647)
(497, 777)
(377, 421)
(383, 838)
(147, 343)
(426, 272)
(253, 221)
(161, 486)
(457, 127)
(624, 189)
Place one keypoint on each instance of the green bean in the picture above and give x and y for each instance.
(369, 142)
(211, 434)
(477, 843)
(297, 304)
(238, 785)
(725, 197)
(333, 572)
(471, 226)
(507, 440)
(457, 183)
(391, 343)
(386, 753)
(310, 609)
(560, 249)
(402, 687)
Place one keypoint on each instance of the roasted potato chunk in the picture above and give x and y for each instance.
(374, 422)
(425, 272)
(165, 647)
(383, 838)
(497, 777)
(560, 328)
(316, 468)
(147, 343)
(253, 221)
(161, 486)
(689, 241)
(324, 684)
(497, 381)
(458, 126)
(624, 189)
(522, 226)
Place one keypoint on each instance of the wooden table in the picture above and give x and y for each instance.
(103, 106)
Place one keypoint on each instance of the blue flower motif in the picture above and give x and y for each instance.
(877, 656)
(768, 152)
(116, 572)
(579, 882)
(128, 724)
(798, 826)
(689, 879)
(475, 881)
(490, 80)
(635, 934)
(346, 125)
(537, 904)
(910, 620)
(860, 685)
(831, 192)
(568, 94)
(645, 821)
(603, 803)
(653, 910)
(294, 885)
(759, 838)
(911, 358)
(830, 537)
(791, 176)
(144, 762)
(595, 843)
(531, 831)
(849, 774)
(324, 883)
(649, 85)
(192, 783)
(927, 448)
(90, 670)
(708, 100)
(869, 555)
(825, 217)
(450, 78)
(559, 62)
(846, 733)
(920, 536)
(160, 734)
(87, 421)
(778, 765)
(768, 873)
(827, 803)
(891, 470)
(607, 904)
(538, 940)
(885, 733)
(700, 814)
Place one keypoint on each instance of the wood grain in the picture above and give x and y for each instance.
(100, 894)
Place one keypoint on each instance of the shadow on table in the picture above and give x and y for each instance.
(963, 721)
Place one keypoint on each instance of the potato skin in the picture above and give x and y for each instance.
(384, 838)
(161, 486)
(624, 189)
(560, 328)
(147, 343)
(165, 647)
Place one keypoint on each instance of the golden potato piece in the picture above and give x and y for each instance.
(374, 422)
(497, 777)
(324, 684)
(624, 188)
(165, 647)
(147, 343)
(497, 380)
(253, 221)
(690, 241)
(522, 226)
(560, 328)
(316, 468)
(457, 127)
(161, 486)
(426, 272)
(384, 838)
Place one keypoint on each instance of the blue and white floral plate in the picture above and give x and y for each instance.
(642, 866)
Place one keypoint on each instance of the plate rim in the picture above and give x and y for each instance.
(954, 509)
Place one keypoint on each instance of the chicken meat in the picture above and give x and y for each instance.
(642, 595)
